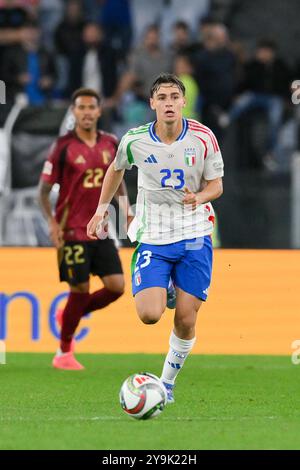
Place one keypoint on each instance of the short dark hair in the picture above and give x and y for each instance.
(180, 24)
(166, 78)
(151, 27)
(267, 43)
(85, 92)
(207, 20)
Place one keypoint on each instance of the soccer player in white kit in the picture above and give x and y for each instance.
(180, 170)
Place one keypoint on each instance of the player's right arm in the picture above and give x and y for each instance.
(55, 231)
(49, 176)
(111, 183)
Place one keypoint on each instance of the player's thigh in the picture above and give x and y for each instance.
(74, 263)
(193, 272)
(187, 307)
(151, 303)
(105, 260)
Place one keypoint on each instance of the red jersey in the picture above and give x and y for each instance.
(79, 170)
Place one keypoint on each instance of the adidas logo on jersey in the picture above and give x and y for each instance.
(80, 159)
(151, 159)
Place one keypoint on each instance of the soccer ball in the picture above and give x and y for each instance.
(143, 396)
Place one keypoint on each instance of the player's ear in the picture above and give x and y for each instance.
(152, 104)
(184, 102)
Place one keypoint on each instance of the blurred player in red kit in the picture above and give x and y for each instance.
(78, 162)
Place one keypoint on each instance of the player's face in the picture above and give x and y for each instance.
(87, 112)
(168, 102)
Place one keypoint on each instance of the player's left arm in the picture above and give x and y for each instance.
(213, 190)
(212, 175)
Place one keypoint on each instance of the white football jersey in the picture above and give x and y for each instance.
(163, 172)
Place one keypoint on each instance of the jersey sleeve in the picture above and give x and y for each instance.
(122, 159)
(51, 171)
(213, 163)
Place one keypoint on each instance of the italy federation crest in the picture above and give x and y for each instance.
(138, 278)
(190, 156)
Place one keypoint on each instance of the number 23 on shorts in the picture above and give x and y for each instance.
(146, 261)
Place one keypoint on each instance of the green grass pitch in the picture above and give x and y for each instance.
(222, 402)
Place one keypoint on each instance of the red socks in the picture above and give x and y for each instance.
(72, 313)
(78, 305)
(100, 299)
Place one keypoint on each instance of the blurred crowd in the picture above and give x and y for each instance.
(48, 48)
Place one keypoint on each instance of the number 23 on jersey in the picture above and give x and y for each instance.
(178, 174)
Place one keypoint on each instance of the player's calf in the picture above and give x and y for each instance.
(59, 319)
(171, 295)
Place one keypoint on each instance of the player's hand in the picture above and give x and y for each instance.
(191, 199)
(97, 226)
(55, 233)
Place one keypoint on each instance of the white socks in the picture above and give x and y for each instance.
(59, 353)
(178, 352)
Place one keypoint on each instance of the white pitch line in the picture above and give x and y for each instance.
(119, 418)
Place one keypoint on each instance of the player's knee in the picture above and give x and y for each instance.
(118, 287)
(149, 317)
(115, 284)
(185, 325)
(80, 288)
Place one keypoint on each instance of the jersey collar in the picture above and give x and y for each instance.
(157, 139)
(74, 133)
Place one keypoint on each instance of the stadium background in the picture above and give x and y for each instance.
(241, 317)
(253, 305)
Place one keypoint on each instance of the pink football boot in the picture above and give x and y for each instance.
(66, 361)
